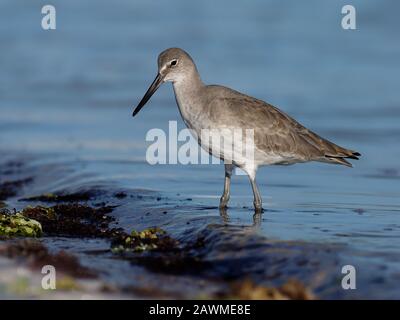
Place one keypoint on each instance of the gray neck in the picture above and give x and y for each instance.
(188, 94)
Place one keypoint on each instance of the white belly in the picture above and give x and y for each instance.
(227, 143)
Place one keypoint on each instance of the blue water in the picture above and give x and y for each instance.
(66, 97)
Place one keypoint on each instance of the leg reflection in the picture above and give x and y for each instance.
(257, 219)
(224, 214)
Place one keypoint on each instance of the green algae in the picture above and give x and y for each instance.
(17, 225)
(67, 283)
(150, 233)
(146, 240)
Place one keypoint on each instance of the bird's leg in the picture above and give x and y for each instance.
(257, 196)
(227, 186)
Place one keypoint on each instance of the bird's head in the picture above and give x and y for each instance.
(174, 65)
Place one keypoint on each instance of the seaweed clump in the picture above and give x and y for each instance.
(158, 252)
(148, 239)
(73, 220)
(14, 225)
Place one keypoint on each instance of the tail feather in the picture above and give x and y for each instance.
(327, 151)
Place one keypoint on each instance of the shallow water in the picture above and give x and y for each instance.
(66, 98)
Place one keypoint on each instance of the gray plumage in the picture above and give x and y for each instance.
(275, 131)
(278, 138)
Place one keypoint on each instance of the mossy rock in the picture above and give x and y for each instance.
(150, 233)
(145, 240)
(17, 225)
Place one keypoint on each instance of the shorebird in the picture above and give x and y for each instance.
(278, 138)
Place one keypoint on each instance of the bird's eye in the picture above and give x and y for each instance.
(173, 63)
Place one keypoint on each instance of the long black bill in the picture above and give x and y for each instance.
(153, 88)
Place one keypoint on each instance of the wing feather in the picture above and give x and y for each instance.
(275, 132)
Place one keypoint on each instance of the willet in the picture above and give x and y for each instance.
(278, 138)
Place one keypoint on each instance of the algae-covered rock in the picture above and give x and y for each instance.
(145, 240)
(150, 233)
(18, 225)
